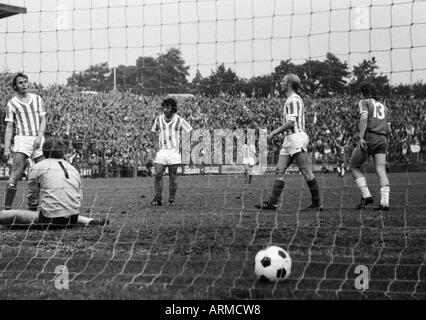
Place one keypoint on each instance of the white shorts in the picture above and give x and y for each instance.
(168, 157)
(295, 143)
(249, 161)
(25, 144)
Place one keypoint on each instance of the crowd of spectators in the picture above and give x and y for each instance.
(110, 132)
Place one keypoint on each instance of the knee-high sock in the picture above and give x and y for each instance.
(172, 187)
(362, 185)
(276, 191)
(315, 191)
(158, 188)
(9, 196)
(384, 195)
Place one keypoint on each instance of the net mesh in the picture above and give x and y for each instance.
(204, 247)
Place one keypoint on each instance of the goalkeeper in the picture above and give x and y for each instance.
(55, 188)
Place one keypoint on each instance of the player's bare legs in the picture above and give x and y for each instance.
(247, 173)
(305, 167)
(19, 160)
(359, 157)
(159, 172)
(284, 161)
(380, 164)
(172, 183)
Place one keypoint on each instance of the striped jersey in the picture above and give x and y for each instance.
(294, 110)
(26, 116)
(378, 115)
(169, 137)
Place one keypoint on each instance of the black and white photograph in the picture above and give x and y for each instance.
(212, 156)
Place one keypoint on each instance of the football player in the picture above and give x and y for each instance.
(26, 111)
(294, 147)
(55, 191)
(249, 161)
(374, 128)
(166, 138)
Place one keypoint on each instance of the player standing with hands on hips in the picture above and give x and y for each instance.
(26, 111)
(294, 147)
(374, 128)
(166, 138)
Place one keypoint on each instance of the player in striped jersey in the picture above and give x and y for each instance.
(166, 137)
(249, 155)
(25, 110)
(294, 147)
(374, 128)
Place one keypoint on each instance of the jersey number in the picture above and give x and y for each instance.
(379, 111)
(64, 170)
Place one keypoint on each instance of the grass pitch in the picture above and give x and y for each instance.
(204, 247)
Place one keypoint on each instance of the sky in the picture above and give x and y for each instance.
(58, 37)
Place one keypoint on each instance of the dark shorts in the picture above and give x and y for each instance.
(58, 223)
(376, 144)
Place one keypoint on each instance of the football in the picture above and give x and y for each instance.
(272, 263)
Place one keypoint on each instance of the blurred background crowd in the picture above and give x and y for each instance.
(110, 132)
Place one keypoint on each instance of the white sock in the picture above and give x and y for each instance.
(384, 196)
(362, 185)
(82, 220)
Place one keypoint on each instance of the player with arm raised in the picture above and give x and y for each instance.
(294, 147)
(374, 127)
(26, 111)
(166, 138)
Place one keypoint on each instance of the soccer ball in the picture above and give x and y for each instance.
(272, 263)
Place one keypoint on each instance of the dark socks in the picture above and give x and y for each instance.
(315, 191)
(158, 188)
(172, 187)
(276, 191)
(9, 196)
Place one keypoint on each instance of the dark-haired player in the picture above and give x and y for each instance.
(166, 138)
(54, 190)
(374, 127)
(294, 147)
(26, 111)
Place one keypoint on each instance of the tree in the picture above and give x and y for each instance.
(173, 71)
(148, 77)
(196, 82)
(366, 72)
(95, 78)
(336, 78)
(220, 81)
(261, 86)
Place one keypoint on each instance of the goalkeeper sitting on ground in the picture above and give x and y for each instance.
(54, 187)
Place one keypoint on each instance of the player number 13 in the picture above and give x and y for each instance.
(379, 111)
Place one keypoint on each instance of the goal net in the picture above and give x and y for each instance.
(103, 68)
